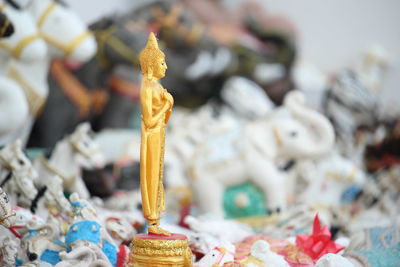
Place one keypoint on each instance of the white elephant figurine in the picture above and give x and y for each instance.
(293, 131)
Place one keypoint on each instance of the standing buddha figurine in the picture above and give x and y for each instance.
(156, 105)
(159, 247)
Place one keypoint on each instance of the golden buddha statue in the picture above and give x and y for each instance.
(156, 105)
(158, 247)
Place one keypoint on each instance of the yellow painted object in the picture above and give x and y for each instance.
(156, 104)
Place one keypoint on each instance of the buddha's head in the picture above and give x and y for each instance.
(152, 59)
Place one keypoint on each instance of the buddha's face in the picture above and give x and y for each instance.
(160, 68)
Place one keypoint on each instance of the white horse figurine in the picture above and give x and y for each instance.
(88, 242)
(51, 197)
(42, 242)
(17, 174)
(67, 158)
(218, 256)
(66, 36)
(26, 46)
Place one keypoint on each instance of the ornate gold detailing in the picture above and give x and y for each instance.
(160, 252)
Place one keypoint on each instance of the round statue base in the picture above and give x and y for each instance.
(150, 250)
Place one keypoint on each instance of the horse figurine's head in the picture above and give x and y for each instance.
(85, 147)
(218, 256)
(7, 216)
(64, 32)
(120, 229)
(25, 43)
(13, 158)
(41, 237)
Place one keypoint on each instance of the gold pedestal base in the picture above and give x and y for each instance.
(149, 250)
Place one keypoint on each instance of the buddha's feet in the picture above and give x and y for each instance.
(155, 229)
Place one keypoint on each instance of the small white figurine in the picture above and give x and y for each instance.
(52, 198)
(226, 230)
(291, 132)
(8, 251)
(217, 256)
(87, 240)
(69, 38)
(7, 216)
(26, 46)
(41, 243)
(69, 155)
(20, 174)
(327, 179)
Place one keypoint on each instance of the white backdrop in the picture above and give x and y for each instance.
(332, 33)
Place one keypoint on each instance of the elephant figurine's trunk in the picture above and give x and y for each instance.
(295, 102)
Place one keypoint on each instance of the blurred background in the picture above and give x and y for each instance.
(332, 34)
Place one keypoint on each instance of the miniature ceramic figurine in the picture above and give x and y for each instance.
(19, 174)
(156, 105)
(217, 124)
(53, 198)
(217, 256)
(7, 217)
(227, 230)
(68, 39)
(42, 242)
(8, 251)
(71, 154)
(292, 132)
(159, 247)
(353, 101)
(327, 179)
(87, 240)
(91, 92)
(261, 255)
(24, 45)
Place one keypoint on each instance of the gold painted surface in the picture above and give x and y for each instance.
(156, 105)
(146, 253)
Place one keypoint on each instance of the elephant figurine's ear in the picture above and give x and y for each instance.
(260, 139)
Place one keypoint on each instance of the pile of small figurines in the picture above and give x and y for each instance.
(266, 163)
